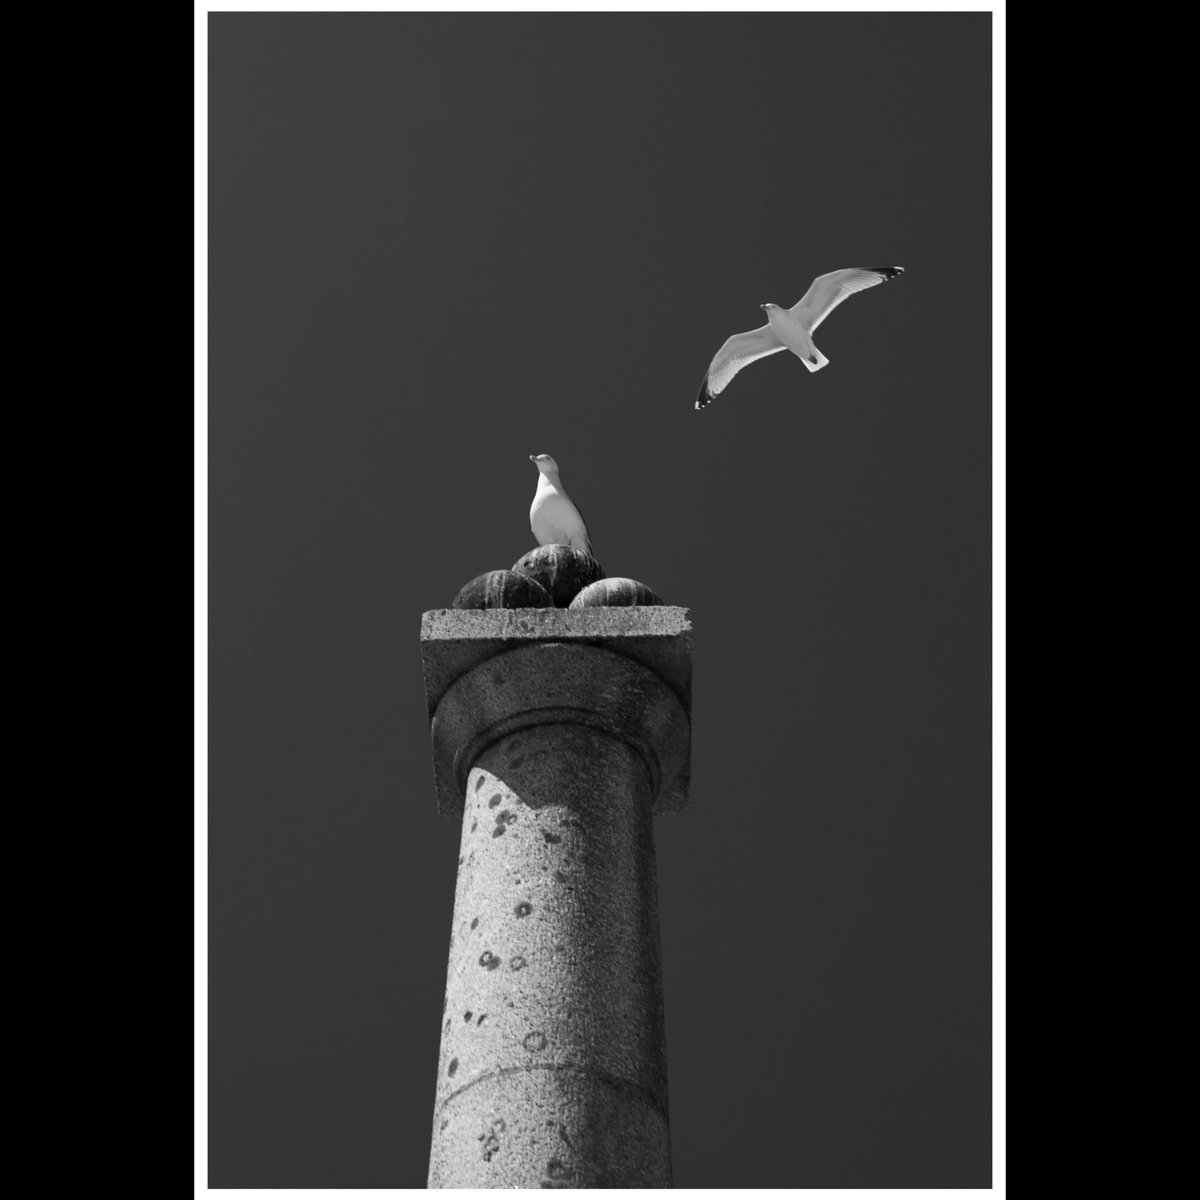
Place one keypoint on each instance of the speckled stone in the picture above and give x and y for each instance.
(455, 642)
(555, 684)
(556, 734)
(502, 589)
(615, 592)
(562, 570)
(553, 1064)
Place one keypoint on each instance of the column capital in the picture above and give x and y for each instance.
(627, 671)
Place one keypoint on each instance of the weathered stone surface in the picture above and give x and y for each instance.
(454, 641)
(556, 734)
(615, 592)
(502, 589)
(553, 1065)
(555, 683)
(562, 570)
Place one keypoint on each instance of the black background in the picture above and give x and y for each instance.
(440, 243)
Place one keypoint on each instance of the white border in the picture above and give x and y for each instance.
(999, 610)
(892, 6)
(200, 560)
(200, 602)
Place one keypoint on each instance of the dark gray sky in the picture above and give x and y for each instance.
(440, 243)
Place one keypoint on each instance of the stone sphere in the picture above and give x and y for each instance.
(502, 589)
(612, 592)
(562, 570)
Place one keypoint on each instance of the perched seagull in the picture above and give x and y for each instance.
(790, 328)
(553, 517)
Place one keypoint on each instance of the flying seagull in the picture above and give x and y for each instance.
(553, 517)
(790, 328)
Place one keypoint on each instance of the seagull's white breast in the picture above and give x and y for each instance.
(554, 520)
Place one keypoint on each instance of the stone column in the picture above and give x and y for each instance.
(557, 734)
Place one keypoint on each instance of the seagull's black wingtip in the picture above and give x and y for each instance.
(887, 272)
(705, 398)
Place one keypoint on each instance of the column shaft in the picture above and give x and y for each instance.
(553, 1064)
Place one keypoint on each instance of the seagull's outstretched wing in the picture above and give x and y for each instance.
(738, 352)
(828, 291)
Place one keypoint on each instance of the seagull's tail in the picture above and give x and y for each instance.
(821, 360)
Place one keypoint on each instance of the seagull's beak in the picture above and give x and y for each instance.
(533, 458)
(764, 307)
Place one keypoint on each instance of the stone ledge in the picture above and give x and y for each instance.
(454, 641)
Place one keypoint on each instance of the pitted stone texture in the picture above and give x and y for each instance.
(562, 570)
(615, 592)
(502, 589)
(553, 1062)
(597, 1134)
(454, 641)
(552, 683)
